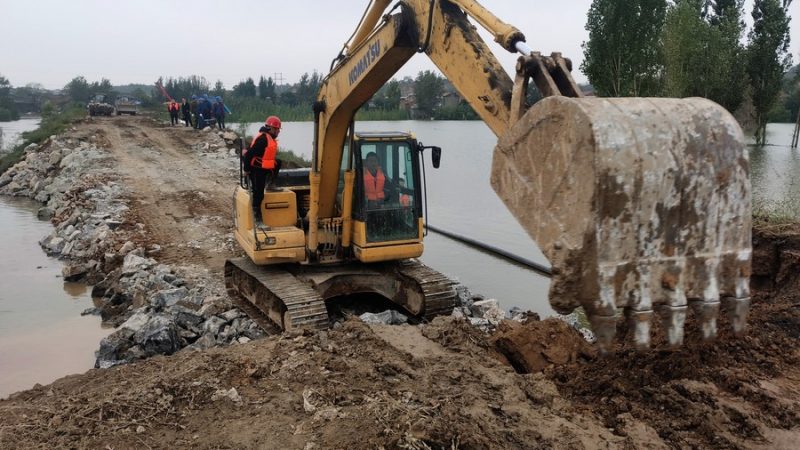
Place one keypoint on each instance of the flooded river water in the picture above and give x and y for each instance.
(10, 132)
(42, 334)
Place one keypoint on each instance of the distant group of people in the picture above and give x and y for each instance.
(198, 113)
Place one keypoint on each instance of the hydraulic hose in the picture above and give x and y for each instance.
(494, 251)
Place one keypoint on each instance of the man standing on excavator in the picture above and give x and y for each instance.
(260, 161)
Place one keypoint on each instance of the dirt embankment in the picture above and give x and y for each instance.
(440, 385)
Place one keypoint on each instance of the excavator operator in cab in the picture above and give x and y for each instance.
(374, 182)
(260, 161)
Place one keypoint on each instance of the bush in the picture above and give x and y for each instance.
(7, 115)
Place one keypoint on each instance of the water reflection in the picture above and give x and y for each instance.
(75, 290)
(774, 172)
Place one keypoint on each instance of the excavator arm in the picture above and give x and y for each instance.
(642, 206)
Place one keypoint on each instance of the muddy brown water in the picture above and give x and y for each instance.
(42, 334)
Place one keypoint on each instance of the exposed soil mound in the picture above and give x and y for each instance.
(356, 387)
(534, 345)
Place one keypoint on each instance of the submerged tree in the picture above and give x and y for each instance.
(702, 51)
(621, 57)
(767, 58)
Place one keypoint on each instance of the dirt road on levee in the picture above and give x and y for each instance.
(445, 385)
(181, 194)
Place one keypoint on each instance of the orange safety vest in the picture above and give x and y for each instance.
(268, 160)
(373, 185)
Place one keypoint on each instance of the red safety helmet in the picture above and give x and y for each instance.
(273, 122)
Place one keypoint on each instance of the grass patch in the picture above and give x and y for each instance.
(782, 212)
(50, 125)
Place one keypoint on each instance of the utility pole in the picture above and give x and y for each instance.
(278, 77)
(796, 133)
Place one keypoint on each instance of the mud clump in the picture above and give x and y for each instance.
(532, 346)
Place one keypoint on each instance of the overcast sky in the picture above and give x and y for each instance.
(52, 41)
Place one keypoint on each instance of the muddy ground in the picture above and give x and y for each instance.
(440, 385)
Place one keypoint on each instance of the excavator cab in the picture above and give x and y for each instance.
(387, 201)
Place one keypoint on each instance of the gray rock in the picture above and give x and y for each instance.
(388, 317)
(168, 297)
(517, 314)
(464, 296)
(205, 341)
(91, 312)
(114, 223)
(134, 263)
(185, 317)
(112, 347)
(55, 245)
(253, 331)
(159, 336)
(45, 213)
(213, 325)
(42, 197)
(137, 320)
(54, 159)
(231, 314)
(489, 310)
(73, 272)
(479, 322)
(227, 334)
(231, 394)
(134, 353)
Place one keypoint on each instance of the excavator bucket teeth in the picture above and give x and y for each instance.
(641, 205)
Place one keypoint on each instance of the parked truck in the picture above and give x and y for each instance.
(126, 105)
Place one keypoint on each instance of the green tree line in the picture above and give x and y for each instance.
(685, 48)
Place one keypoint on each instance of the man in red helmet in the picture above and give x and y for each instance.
(260, 161)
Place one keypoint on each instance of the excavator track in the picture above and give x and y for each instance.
(439, 290)
(288, 302)
(295, 298)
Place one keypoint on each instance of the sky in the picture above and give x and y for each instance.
(52, 41)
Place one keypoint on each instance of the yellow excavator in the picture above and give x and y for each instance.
(641, 205)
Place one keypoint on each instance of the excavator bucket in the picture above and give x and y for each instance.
(642, 206)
